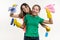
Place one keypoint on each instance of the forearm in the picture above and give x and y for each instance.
(50, 21)
(14, 15)
(43, 25)
(46, 27)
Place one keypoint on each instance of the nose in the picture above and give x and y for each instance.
(34, 10)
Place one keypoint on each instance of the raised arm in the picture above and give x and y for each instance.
(49, 16)
(14, 15)
(50, 21)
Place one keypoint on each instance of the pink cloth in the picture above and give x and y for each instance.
(51, 8)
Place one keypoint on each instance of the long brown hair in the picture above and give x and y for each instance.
(22, 13)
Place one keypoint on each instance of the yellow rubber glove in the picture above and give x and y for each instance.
(48, 13)
(17, 23)
(48, 29)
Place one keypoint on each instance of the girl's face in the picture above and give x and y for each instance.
(25, 9)
(35, 10)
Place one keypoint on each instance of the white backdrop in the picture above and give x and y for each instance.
(10, 32)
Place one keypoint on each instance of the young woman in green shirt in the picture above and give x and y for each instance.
(31, 22)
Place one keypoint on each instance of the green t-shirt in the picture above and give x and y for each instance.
(31, 23)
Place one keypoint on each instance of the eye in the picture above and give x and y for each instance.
(26, 6)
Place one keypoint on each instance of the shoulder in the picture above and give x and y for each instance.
(40, 18)
(27, 15)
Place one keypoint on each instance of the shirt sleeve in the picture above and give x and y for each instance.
(41, 20)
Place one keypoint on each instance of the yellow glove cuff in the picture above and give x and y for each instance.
(17, 23)
(48, 13)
